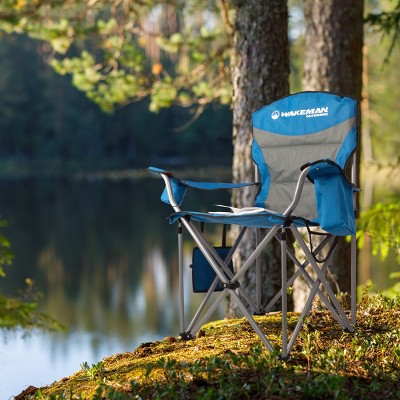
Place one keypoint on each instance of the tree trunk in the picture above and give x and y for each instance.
(333, 46)
(260, 73)
(333, 62)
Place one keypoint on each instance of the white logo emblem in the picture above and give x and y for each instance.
(275, 115)
(308, 112)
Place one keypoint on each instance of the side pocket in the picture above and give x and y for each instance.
(334, 196)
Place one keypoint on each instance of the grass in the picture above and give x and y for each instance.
(227, 361)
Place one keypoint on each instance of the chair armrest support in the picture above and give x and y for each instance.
(175, 189)
(297, 193)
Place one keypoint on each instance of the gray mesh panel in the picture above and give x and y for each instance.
(284, 155)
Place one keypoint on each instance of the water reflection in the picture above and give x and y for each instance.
(105, 259)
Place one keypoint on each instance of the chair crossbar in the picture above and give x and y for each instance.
(217, 264)
(197, 324)
(301, 270)
(223, 274)
(314, 291)
(223, 264)
(258, 250)
(310, 282)
(322, 278)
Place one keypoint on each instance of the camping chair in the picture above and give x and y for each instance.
(302, 144)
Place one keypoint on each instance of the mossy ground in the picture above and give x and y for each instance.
(227, 361)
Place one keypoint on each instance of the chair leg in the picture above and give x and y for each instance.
(181, 299)
(258, 272)
(353, 283)
(252, 322)
(199, 322)
(284, 355)
(307, 307)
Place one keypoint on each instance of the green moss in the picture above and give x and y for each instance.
(227, 361)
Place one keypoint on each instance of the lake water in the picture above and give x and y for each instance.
(104, 257)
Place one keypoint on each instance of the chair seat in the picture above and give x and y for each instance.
(259, 219)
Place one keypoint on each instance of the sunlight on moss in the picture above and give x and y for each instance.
(226, 360)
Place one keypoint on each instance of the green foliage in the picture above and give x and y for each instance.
(6, 255)
(387, 23)
(117, 52)
(382, 223)
(58, 33)
(382, 94)
(164, 94)
(21, 312)
(104, 89)
(395, 289)
(95, 372)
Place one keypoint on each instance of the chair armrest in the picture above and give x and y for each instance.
(175, 189)
(310, 171)
(334, 197)
(158, 171)
(322, 165)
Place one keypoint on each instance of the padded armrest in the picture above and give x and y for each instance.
(179, 186)
(334, 196)
(327, 167)
(158, 171)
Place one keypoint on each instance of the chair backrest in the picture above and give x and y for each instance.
(296, 130)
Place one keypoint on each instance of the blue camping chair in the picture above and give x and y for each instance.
(302, 144)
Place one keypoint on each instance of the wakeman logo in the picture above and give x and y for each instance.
(308, 113)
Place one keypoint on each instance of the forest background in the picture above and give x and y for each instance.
(47, 125)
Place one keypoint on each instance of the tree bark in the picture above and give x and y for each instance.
(333, 62)
(260, 73)
(333, 46)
